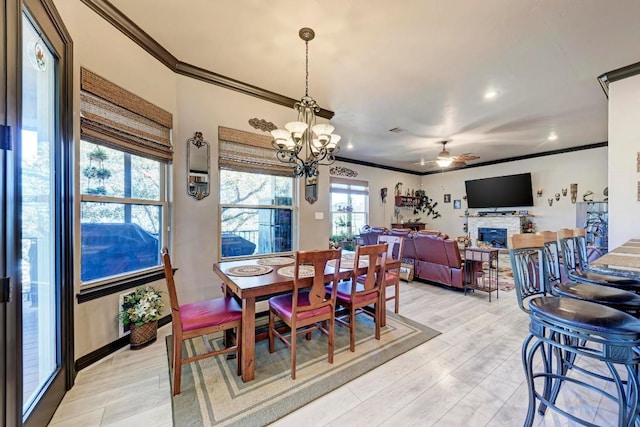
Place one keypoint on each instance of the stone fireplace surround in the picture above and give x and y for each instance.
(514, 224)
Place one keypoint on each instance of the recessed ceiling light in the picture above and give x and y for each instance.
(421, 162)
(490, 94)
(552, 136)
(349, 146)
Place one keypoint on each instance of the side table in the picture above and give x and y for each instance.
(486, 278)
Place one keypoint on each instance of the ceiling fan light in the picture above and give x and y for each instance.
(443, 162)
(444, 155)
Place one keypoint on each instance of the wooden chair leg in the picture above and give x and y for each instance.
(378, 316)
(293, 354)
(331, 342)
(271, 327)
(352, 329)
(397, 310)
(177, 363)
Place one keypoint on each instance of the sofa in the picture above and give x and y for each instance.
(434, 256)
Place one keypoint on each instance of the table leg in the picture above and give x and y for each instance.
(248, 338)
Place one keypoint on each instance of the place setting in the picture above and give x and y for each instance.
(248, 270)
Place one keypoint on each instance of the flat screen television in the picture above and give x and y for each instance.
(500, 192)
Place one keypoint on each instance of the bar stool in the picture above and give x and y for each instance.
(620, 299)
(574, 259)
(562, 329)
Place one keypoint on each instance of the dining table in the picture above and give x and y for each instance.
(257, 279)
(622, 261)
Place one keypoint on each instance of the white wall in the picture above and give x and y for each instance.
(102, 49)
(624, 146)
(587, 168)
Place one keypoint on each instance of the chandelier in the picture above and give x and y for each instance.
(303, 142)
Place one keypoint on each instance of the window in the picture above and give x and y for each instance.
(257, 197)
(122, 212)
(125, 151)
(349, 207)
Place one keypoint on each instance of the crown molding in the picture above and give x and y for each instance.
(530, 156)
(126, 26)
(476, 165)
(618, 74)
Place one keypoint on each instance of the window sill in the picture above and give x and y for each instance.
(86, 295)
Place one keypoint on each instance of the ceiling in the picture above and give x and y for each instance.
(423, 66)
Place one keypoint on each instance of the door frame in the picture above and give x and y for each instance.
(47, 19)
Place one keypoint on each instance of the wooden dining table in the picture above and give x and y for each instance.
(250, 289)
(622, 261)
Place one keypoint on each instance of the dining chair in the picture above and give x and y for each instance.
(395, 250)
(200, 318)
(574, 259)
(354, 295)
(308, 307)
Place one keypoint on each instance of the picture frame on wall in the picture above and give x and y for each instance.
(447, 198)
(457, 204)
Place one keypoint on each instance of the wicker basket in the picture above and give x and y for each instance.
(142, 336)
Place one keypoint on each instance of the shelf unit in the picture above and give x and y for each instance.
(406, 201)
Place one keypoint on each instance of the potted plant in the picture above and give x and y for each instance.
(141, 310)
(96, 173)
(98, 154)
(398, 189)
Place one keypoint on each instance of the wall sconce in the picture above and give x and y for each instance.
(557, 197)
(564, 192)
(539, 192)
(550, 202)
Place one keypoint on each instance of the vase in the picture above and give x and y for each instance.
(142, 336)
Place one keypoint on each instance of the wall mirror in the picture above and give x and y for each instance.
(198, 167)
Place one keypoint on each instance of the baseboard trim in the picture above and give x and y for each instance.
(112, 347)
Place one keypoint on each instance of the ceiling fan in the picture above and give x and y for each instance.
(446, 160)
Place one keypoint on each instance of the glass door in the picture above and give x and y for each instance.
(37, 150)
(36, 346)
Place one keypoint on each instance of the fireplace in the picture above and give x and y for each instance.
(496, 237)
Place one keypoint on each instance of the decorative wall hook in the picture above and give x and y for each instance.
(550, 202)
(564, 192)
(539, 192)
(557, 196)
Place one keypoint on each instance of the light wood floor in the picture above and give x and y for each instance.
(470, 375)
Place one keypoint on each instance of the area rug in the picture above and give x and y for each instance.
(212, 393)
(505, 274)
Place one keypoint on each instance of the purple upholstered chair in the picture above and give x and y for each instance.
(196, 319)
(308, 307)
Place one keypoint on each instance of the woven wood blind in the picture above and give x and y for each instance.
(114, 117)
(249, 152)
(352, 182)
